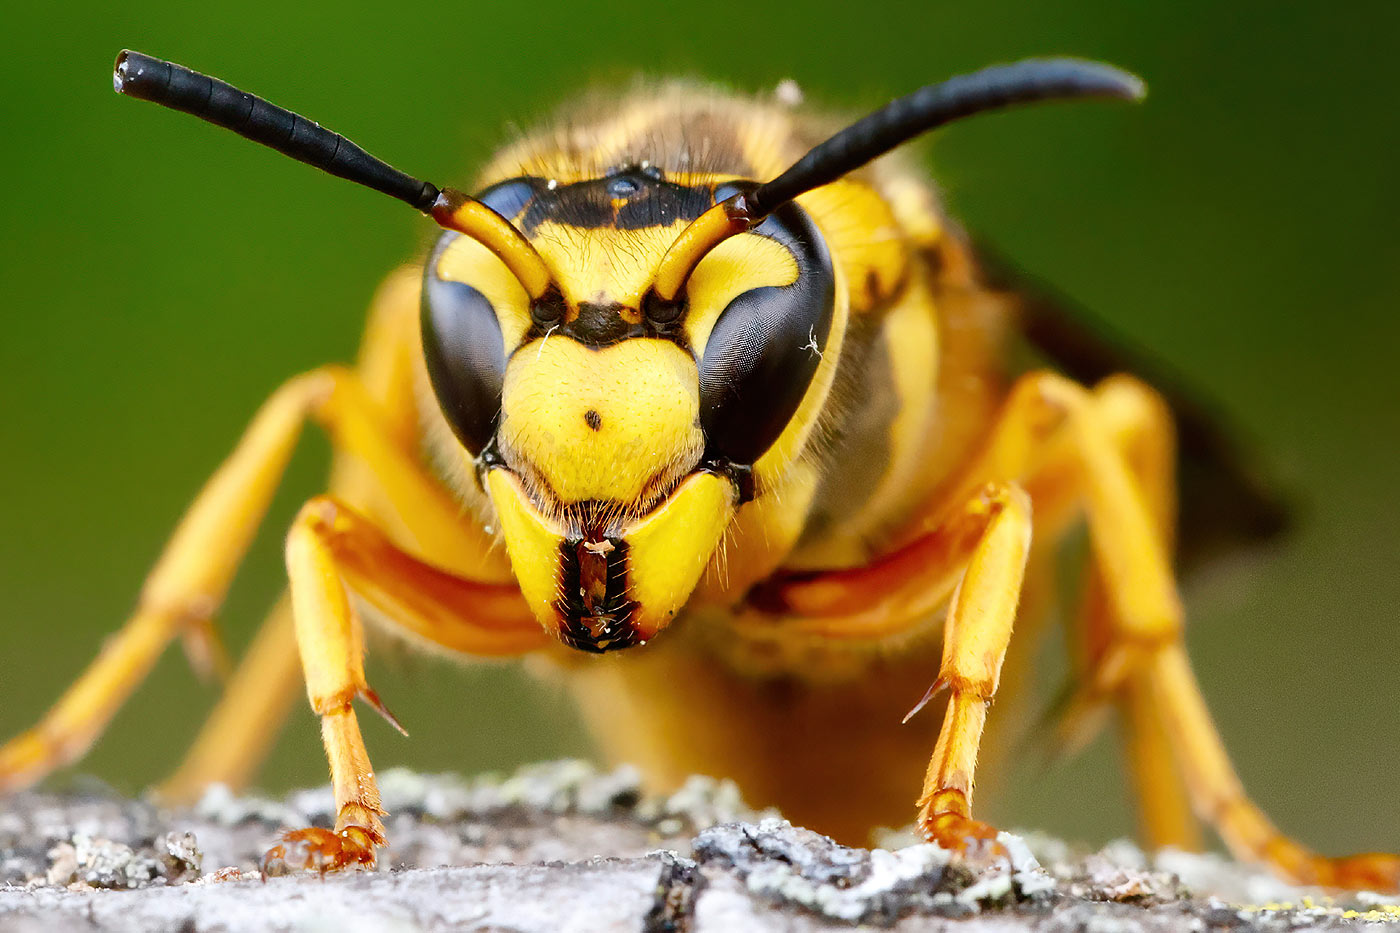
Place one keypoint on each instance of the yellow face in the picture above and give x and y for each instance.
(617, 440)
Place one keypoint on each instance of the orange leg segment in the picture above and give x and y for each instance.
(1144, 658)
(183, 590)
(189, 581)
(237, 736)
(976, 558)
(1140, 423)
(332, 552)
(1103, 453)
(975, 636)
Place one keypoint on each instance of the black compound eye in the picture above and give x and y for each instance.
(766, 346)
(465, 353)
(510, 198)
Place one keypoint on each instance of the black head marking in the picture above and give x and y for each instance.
(629, 199)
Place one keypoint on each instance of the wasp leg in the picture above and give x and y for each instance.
(329, 549)
(977, 557)
(1064, 443)
(238, 734)
(885, 597)
(1142, 421)
(1030, 442)
(236, 738)
(1145, 655)
(1141, 426)
(975, 637)
(191, 577)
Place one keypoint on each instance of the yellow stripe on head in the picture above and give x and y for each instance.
(469, 262)
(735, 266)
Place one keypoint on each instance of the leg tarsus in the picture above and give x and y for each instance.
(1372, 871)
(972, 840)
(322, 850)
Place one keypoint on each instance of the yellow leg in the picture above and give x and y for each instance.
(1145, 656)
(977, 558)
(238, 735)
(331, 644)
(189, 581)
(1219, 796)
(975, 637)
(1140, 423)
(184, 589)
(1070, 446)
(887, 596)
(328, 549)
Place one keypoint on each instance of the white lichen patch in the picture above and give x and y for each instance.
(890, 872)
(782, 863)
(85, 862)
(99, 863)
(544, 825)
(699, 803)
(570, 787)
(220, 805)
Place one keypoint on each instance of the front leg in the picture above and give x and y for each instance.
(1067, 446)
(973, 560)
(331, 643)
(975, 637)
(329, 547)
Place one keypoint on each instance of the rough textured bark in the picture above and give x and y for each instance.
(563, 847)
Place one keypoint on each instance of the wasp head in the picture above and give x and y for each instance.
(616, 432)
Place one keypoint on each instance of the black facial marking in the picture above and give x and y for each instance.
(600, 325)
(630, 197)
(646, 201)
(766, 346)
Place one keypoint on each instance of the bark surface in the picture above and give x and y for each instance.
(562, 847)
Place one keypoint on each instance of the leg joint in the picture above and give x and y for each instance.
(322, 515)
(337, 703)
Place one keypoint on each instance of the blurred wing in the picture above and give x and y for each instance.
(1227, 501)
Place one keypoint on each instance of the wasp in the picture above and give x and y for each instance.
(706, 401)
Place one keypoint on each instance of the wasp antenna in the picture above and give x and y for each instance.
(180, 88)
(930, 107)
(898, 122)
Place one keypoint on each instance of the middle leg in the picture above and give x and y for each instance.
(1141, 654)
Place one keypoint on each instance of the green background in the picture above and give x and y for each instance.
(161, 277)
